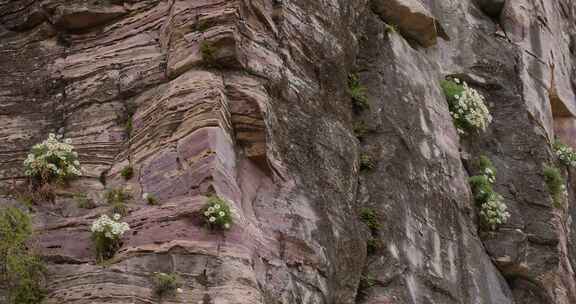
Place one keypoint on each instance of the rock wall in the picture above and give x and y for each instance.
(248, 99)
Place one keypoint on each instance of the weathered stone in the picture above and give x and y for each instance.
(263, 119)
(493, 8)
(84, 15)
(412, 19)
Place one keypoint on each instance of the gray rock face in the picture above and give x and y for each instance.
(249, 100)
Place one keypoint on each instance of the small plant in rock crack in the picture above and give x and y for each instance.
(493, 210)
(127, 172)
(360, 129)
(22, 272)
(54, 159)
(467, 106)
(370, 218)
(127, 117)
(358, 93)
(150, 199)
(565, 154)
(366, 162)
(366, 282)
(487, 168)
(166, 284)
(390, 28)
(555, 184)
(372, 245)
(202, 26)
(106, 235)
(117, 198)
(217, 214)
(208, 51)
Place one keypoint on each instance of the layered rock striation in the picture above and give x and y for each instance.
(249, 100)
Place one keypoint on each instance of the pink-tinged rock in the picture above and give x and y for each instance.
(84, 16)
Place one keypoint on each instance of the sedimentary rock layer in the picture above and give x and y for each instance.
(248, 99)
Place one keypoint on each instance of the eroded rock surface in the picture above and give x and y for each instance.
(249, 100)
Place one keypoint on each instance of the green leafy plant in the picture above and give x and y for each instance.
(202, 26)
(21, 271)
(555, 183)
(565, 154)
(390, 28)
(493, 210)
(84, 202)
(366, 162)
(129, 126)
(366, 282)
(370, 218)
(487, 168)
(358, 93)
(481, 188)
(150, 199)
(126, 117)
(52, 160)
(117, 198)
(467, 106)
(26, 200)
(106, 236)
(360, 129)
(208, 52)
(127, 172)
(166, 284)
(372, 245)
(217, 213)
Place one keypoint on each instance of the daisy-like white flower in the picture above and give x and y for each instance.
(212, 219)
(52, 159)
(221, 213)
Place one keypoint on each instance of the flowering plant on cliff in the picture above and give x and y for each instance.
(217, 213)
(106, 234)
(556, 185)
(166, 284)
(493, 210)
(467, 106)
(565, 154)
(52, 159)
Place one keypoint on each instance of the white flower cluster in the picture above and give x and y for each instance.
(110, 227)
(53, 157)
(565, 154)
(494, 211)
(217, 213)
(213, 213)
(469, 109)
(490, 175)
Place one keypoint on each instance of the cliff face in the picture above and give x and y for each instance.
(249, 99)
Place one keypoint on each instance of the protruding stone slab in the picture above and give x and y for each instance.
(412, 19)
(81, 17)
